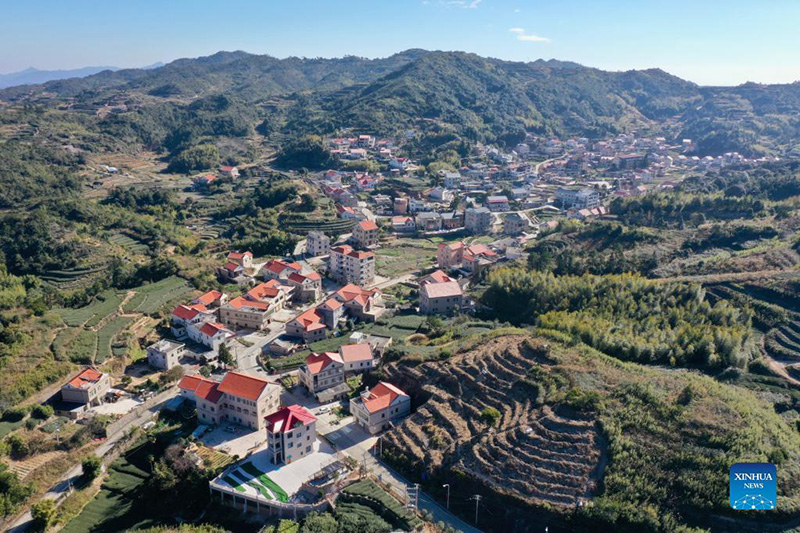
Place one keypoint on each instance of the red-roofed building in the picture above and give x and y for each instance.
(229, 172)
(278, 270)
(291, 434)
(307, 287)
(239, 398)
(242, 313)
(210, 334)
(435, 277)
(86, 388)
(211, 299)
(323, 376)
(189, 317)
(365, 234)
(376, 409)
(309, 326)
(332, 312)
(361, 303)
(243, 259)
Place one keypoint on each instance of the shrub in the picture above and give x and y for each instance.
(491, 416)
(44, 514)
(92, 466)
(42, 412)
(14, 414)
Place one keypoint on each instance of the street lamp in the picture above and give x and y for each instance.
(447, 485)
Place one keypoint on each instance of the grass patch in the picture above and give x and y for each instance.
(251, 469)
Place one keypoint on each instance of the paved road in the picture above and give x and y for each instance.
(353, 441)
(68, 480)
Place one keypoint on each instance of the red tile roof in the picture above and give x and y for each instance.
(311, 320)
(368, 225)
(239, 303)
(232, 266)
(288, 418)
(188, 312)
(351, 292)
(208, 391)
(436, 277)
(262, 292)
(331, 304)
(238, 256)
(382, 396)
(191, 382)
(212, 328)
(317, 362)
(86, 378)
(353, 353)
(243, 386)
(209, 298)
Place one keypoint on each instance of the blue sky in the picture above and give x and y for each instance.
(706, 41)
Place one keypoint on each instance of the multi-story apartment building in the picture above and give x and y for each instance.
(516, 223)
(361, 303)
(497, 204)
(365, 234)
(238, 398)
(376, 409)
(441, 298)
(307, 287)
(478, 220)
(357, 357)
(577, 198)
(317, 243)
(87, 388)
(310, 326)
(165, 354)
(349, 266)
(241, 313)
(291, 434)
(323, 376)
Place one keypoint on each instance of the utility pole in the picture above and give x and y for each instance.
(448, 494)
(477, 499)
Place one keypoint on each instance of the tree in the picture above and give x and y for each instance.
(172, 375)
(226, 356)
(319, 523)
(42, 412)
(44, 514)
(92, 466)
(205, 371)
(491, 416)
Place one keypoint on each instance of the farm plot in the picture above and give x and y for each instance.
(61, 342)
(83, 348)
(131, 245)
(150, 299)
(106, 335)
(557, 449)
(114, 501)
(404, 256)
(74, 278)
(104, 305)
(365, 497)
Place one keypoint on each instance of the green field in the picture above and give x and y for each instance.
(106, 335)
(61, 343)
(104, 304)
(131, 245)
(83, 348)
(150, 299)
(116, 498)
(365, 494)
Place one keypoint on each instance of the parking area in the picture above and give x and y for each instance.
(233, 439)
(120, 407)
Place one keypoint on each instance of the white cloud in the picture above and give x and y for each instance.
(528, 37)
(465, 4)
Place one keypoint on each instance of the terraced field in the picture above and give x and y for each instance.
(784, 342)
(150, 299)
(131, 245)
(91, 315)
(534, 452)
(74, 278)
(106, 336)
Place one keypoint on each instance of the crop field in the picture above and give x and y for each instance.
(62, 341)
(114, 501)
(150, 299)
(106, 335)
(131, 245)
(365, 497)
(557, 449)
(104, 304)
(83, 348)
(74, 278)
(403, 256)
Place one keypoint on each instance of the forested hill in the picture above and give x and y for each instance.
(451, 93)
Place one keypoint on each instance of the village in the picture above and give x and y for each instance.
(281, 364)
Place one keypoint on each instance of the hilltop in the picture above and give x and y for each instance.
(445, 94)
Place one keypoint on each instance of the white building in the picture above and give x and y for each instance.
(165, 354)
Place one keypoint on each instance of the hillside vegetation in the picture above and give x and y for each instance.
(647, 449)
